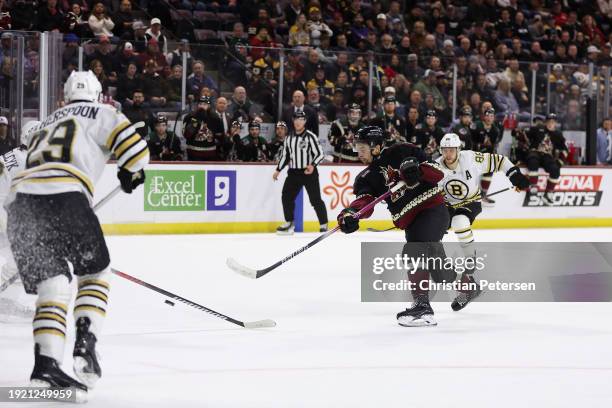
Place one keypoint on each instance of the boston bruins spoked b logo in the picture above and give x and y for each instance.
(457, 189)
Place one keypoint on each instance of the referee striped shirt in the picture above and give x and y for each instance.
(300, 150)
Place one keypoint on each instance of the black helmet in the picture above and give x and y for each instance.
(466, 111)
(371, 135)
(431, 113)
(551, 116)
(254, 125)
(161, 119)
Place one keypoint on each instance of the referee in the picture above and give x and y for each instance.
(302, 153)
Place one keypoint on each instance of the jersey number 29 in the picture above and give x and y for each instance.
(55, 146)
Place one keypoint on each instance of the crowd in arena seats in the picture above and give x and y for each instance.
(498, 46)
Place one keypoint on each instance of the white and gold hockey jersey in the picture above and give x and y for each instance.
(462, 185)
(68, 150)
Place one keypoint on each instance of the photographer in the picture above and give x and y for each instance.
(163, 144)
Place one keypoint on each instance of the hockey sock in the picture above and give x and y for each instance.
(50, 319)
(485, 182)
(92, 299)
(533, 178)
(551, 184)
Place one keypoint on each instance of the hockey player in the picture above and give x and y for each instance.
(418, 207)
(429, 134)
(547, 149)
(462, 172)
(14, 305)
(487, 136)
(465, 128)
(341, 134)
(54, 232)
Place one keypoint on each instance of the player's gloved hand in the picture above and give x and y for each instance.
(347, 221)
(129, 181)
(410, 171)
(518, 179)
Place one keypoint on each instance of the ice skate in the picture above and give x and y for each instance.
(463, 298)
(86, 365)
(47, 373)
(419, 314)
(287, 228)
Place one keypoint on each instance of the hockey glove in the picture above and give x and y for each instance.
(347, 220)
(129, 181)
(410, 171)
(518, 179)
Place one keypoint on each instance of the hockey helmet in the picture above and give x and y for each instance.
(27, 130)
(354, 113)
(370, 135)
(82, 86)
(281, 124)
(450, 140)
(466, 111)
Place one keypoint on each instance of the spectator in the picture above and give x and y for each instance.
(297, 105)
(24, 14)
(604, 142)
(123, 18)
(263, 20)
(99, 22)
(175, 85)
(154, 53)
(129, 82)
(75, 23)
(50, 18)
(319, 105)
(513, 73)
(504, 99)
(138, 111)
(154, 32)
(103, 54)
(428, 85)
(316, 26)
(260, 42)
(124, 57)
(6, 144)
(392, 124)
(198, 79)
(261, 90)
(413, 72)
(237, 36)
(222, 114)
(590, 29)
(291, 84)
(298, 33)
(293, 10)
(325, 87)
(163, 143)
(155, 86)
(573, 118)
(136, 36)
(241, 108)
(176, 56)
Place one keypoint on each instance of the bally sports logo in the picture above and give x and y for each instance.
(573, 190)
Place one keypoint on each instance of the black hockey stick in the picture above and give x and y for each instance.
(249, 325)
(487, 196)
(258, 273)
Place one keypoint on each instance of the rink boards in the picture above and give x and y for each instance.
(223, 198)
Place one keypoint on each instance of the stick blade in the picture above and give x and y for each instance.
(260, 324)
(241, 269)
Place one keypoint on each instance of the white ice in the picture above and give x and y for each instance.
(329, 349)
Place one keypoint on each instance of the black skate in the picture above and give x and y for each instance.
(420, 314)
(86, 365)
(47, 373)
(547, 199)
(463, 298)
(488, 202)
(286, 229)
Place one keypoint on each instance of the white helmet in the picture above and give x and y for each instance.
(450, 140)
(82, 86)
(27, 130)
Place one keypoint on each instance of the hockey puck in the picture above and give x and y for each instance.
(169, 302)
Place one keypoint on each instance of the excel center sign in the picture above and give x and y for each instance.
(190, 190)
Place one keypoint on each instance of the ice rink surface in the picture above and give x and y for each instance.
(329, 349)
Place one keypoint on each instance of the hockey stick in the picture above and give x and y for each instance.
(9, 282)
(255, 274)
(249, 325)
(487, 196)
